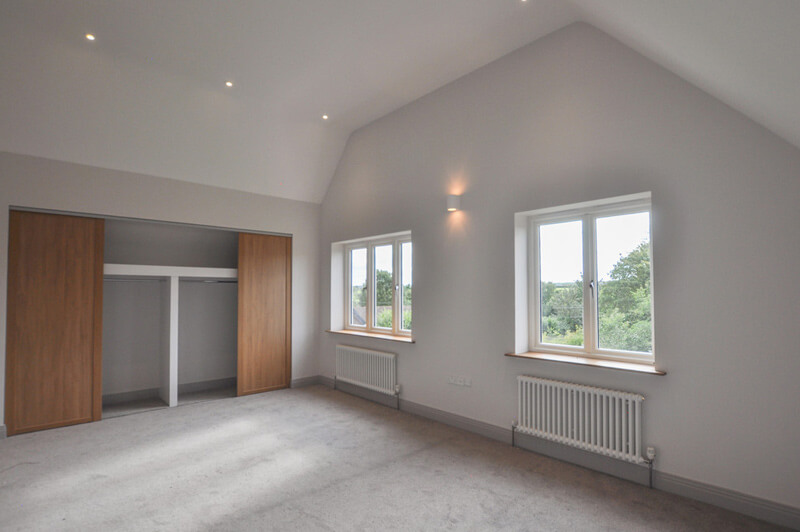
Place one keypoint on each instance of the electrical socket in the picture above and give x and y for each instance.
(459, 380)
(651, 453)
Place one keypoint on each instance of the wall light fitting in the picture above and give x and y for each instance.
(453, 202)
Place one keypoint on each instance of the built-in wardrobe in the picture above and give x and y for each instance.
(107, 317)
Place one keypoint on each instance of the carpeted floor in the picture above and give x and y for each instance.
(313, 459)
(154, 403)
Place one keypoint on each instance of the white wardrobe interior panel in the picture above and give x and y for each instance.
(132, 335)
(207, 329)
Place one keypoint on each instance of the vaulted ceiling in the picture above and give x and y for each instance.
(149, 94)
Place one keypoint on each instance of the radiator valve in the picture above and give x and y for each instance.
(651, 453)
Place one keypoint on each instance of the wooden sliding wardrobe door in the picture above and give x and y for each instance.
(53, 345)
(265, 311)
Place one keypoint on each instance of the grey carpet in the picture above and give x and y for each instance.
(154, 403)
(313, 459)
(133, 407)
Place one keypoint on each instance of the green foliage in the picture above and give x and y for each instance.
(624, 303)
(383, 295)
(562, 313)
(407, 307)
(628, 290)
(360, 296)
(384, 318)
(617, 333)
(384, 288)
(568, 338)
(623, 307)
(407, 295)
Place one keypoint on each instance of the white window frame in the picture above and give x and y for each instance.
(396, 240)
(587, 213)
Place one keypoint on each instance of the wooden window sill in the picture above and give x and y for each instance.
(584, 361)
(379, 336)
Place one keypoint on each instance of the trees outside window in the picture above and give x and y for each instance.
(623, 307)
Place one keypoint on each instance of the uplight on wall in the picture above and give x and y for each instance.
(453, 203)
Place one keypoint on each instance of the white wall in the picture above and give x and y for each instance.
(577, 116)
(46, 184)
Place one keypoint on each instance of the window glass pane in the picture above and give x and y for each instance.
(384, 286)
(561, 283)
(406, 282)
(358, 287)
(623, 288)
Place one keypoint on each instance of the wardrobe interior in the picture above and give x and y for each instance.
(136, 316)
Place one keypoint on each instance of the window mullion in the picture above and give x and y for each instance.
(589, 285)
(370, 287)
(348, 296)
(395, 275)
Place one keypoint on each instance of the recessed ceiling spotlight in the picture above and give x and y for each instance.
(324, 117)
(229, 84)
(89, 37)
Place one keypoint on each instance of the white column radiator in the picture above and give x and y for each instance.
(370, 369)
(607, 422)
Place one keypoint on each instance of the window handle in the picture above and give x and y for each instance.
(591, 286)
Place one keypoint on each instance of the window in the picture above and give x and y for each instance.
(378, 285)
(589, 280)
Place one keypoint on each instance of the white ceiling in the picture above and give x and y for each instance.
(148, 95)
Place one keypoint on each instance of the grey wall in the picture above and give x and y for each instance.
(132, 329)
(139, 242)
(46, 184)
(577, 116)
(207, 329)
(134, 325)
